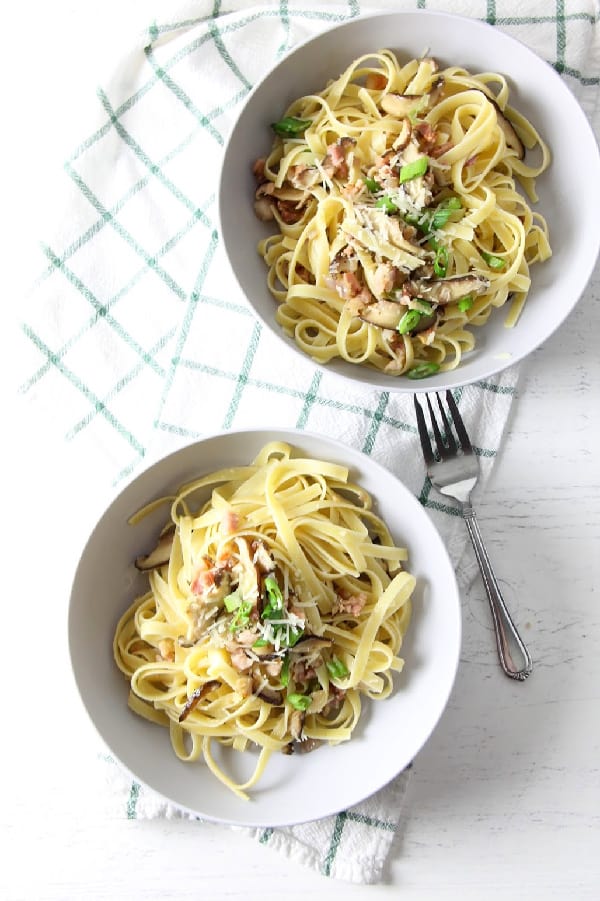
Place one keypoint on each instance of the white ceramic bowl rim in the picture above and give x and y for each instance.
(293, 789)
(537, 91)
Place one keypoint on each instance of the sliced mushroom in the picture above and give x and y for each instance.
(436, 91)
(296, 723)
(195, 697)
(405, 134)
(263, 209)
(266, 693)
(446, 290)
(512, 138)
(400, 105)
(383, 313)
(310, 645)
(333, 706)
(159, 555)
(304, 746)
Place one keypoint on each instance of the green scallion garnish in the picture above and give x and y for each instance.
(414, 169)
(387, 204)
(409, 321)
(336, 668)
(444, 211)
(274, 597)
(465, 303)
(493, 261)
(241, 617)
(232, 601)
(440, 264)
(290, 126)
(422, 370)
(373, 185)
(284, 676)
(299, 702)
(424, 306)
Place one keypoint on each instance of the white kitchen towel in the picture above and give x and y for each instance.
(136, 338)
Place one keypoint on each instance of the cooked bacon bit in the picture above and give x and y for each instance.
(334, 704)
(375, 81)
(334, 162)
(426, 136)
(347, 285)
(258, 169)
(303, 672)
(289, 211)
(245, 638)
(195, 697)
(240, 660)
(166, 647)
(273, 667)
(385, 279)
(230, 522)
(438, 151)
(208, 575)
(350, 603)
(205, 576)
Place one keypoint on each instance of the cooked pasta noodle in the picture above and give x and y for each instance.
(399, 222)
(273, 607)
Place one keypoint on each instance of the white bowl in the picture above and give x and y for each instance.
(293, 789)
(567, 198)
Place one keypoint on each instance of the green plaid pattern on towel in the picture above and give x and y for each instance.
(138, 341)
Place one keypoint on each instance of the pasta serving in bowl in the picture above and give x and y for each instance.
(399, 222)
(251, 598)
(272, 608)
(399, 200)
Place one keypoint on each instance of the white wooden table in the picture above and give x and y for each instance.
(504, 801)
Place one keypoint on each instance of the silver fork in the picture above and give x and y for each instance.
(454, 471)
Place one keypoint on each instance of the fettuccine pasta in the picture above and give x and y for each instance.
(399, 222)
(273, 607)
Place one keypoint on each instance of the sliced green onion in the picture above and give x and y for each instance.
(444, 211)
(261, 643)
(290, 126)
(423, 306)
(300, 702)
(294, 636)
(373, 185)
(337, 668)
(285, 671)
(232, 601)
(465, 303)
(493, 262)
(274, 596)
(414, 169)
(409, 321)
(440, 264)
(241, 617)
(422, 370)
(387, 204)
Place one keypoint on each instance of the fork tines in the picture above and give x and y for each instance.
(444, 439)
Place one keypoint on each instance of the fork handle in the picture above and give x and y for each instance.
(507, 637)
